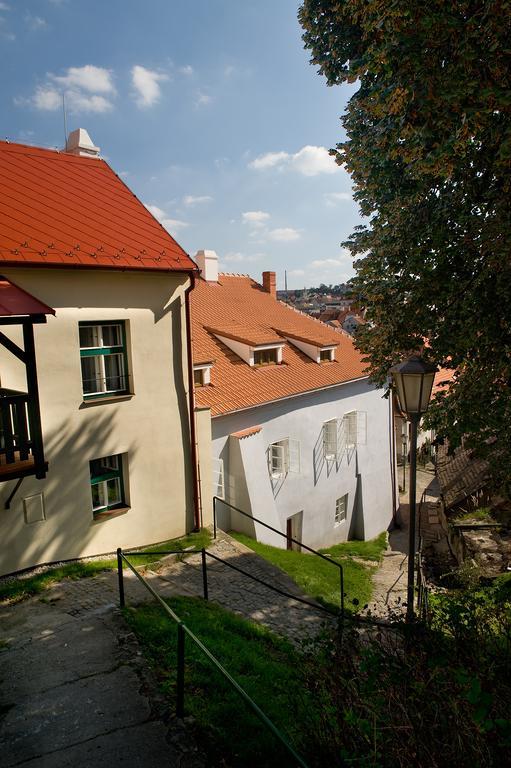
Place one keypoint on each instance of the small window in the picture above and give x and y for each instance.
(107, 486)
(103, 359)
(266, 356)
(355, 428)
(326, 355)
(341, 509)
(218, 478)
(284, 457)
(202, 375)
(330, 439)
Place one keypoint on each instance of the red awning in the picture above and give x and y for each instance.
(15, 302)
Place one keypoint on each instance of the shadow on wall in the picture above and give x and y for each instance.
(69, 524)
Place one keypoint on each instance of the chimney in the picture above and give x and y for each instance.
(270, 283)
(208, 264)
(80, 143)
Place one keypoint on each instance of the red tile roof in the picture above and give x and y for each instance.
(240, 301)
(63, 210)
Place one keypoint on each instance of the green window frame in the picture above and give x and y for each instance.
(103, 358)
(107, 484)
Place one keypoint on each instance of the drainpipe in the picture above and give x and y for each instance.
(191, 396)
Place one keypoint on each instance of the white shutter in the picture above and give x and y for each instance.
(277, 459)
(218, 478)
(293, 463)
(361, 427)
(341, 438)
(350, 420)
(330, 439)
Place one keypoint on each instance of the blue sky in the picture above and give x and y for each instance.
(208, 109)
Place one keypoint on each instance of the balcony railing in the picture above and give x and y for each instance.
(17, 451)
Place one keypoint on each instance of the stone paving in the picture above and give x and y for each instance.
(390, 580)
(75, 690)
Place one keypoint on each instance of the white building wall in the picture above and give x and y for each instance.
(364, 474)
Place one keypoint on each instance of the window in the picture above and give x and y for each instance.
(202, 375)
(355, 428)
(107, 487)
(103, 359)
(266, 356)
(218, 478)
(330, 439)
(284, 457)
(326, 355)
(341, 509)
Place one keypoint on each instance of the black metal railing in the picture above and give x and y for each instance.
(422, 588)
(97, 386)
(183, 631)
(15, 439)
(336, 564)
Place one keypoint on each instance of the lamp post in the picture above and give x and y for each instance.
(413, 380)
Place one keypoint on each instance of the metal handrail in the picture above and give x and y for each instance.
(288, 538)
(182, 631)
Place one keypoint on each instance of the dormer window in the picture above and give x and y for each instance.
(326, 355)
(202, 374)
(266, 356)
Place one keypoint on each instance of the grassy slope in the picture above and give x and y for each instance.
(266, 666)
(317, 577)
(28, 586)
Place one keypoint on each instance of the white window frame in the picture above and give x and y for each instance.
(218, 478)
(330, 439)
(341, 510)
(205, 375)
(284, 457)
(355, 428)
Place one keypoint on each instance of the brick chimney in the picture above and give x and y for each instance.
(270, 283)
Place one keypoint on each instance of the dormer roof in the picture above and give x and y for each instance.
(238, 308)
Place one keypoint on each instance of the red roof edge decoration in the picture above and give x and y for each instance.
(15, 302)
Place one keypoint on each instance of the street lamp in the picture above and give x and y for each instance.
(413, 380)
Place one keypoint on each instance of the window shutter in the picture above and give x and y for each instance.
(330, 439)
(276, 459)
(218, 478)
(361, 427)
(341, 438)
(351, 427)
(293, 456)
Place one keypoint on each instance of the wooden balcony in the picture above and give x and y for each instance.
(19, 453)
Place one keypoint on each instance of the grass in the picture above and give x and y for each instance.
(317, 577)
(365, 550)
(266, 666)
(22, 587)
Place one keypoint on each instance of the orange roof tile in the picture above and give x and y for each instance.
(248, 334)
(63, 210)
(442, 379)
(246, 432)
(240, 301)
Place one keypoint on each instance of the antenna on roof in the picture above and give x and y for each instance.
(285, 283)
(65, 118)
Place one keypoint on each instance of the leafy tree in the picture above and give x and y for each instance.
(428, 145)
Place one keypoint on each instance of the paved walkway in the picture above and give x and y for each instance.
(74, 688)
(390, 580)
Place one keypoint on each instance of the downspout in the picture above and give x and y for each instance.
(191, 397)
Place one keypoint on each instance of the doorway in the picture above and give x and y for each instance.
(294, 530)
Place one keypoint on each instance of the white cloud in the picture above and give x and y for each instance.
(146, 84)
(332, 199)
(327, 263)
(269, 160)
(4, 7)
(296, 272)
(309, 161)
(47, 98)
(186, 70)
(124, 174)
(255, 218)
(88, 78)
(202, 99)
(237, 257)
(35, 23)
(196, 199)
(171, 225)
(229, 70)
(284, 234)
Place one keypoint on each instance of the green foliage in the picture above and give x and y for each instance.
(317, 577)
(266, 666)
(428, 145)
(25, 585)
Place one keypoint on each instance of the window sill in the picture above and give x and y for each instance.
(112, 399)
(110, 513)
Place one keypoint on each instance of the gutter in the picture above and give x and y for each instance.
(197, 512)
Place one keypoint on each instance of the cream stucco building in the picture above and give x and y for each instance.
(112, 365)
